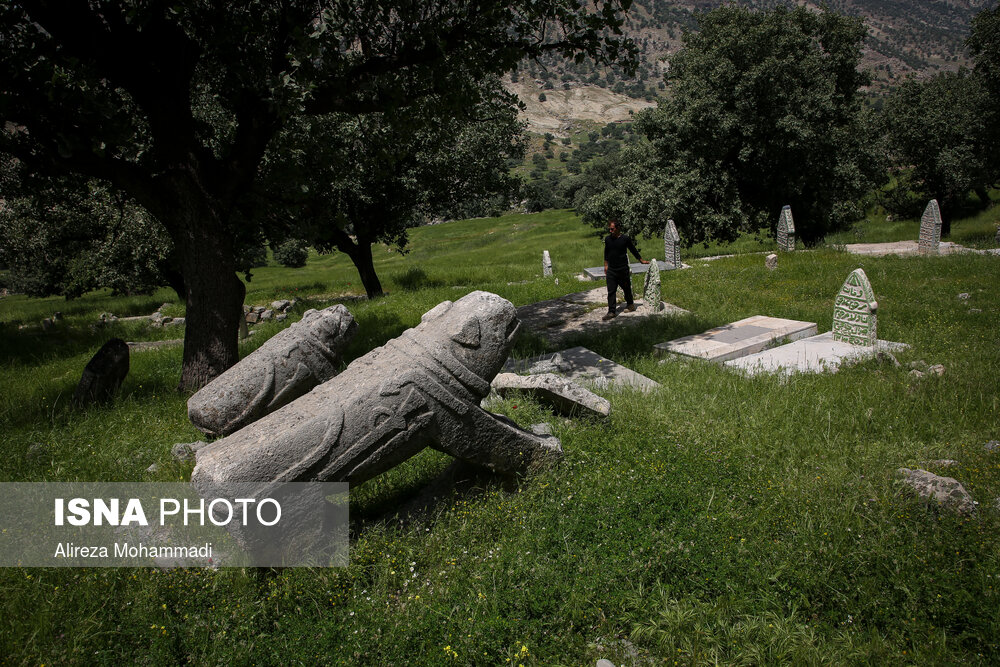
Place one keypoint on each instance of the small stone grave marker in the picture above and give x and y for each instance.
(651, 288)
(855, 316)
(546, 263)
(786, 230)
(929, 242)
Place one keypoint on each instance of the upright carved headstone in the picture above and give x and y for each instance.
(671, 245)
(285, 367)
(855, 314)
(104, 373)
(786, 230)
(546, 263)
(651, 288)
(418, 390)
(930, 229)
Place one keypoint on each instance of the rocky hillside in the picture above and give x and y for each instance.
(905, 37)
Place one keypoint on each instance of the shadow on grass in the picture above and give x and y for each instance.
(415, 279)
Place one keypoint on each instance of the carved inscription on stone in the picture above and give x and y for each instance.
(419, 390)
(285, 367)
(671, 245)
(855, 311)
(651, 288)
(786, 230)
(930, 229)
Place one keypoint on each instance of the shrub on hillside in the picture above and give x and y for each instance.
(292, 253)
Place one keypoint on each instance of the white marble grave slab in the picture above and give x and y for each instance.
(596, 272)
(810, 355)
(584, 367)
(738, 339)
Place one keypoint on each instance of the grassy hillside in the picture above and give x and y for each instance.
(717, 519)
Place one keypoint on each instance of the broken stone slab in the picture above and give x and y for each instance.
(104, 373)
(281, 304)
(566, 396)
(786, 230)
(771, 262)
(816, 354)
(651, 289)
(252, 317)
(738, 339)
(855, 311)
(583, 367)
(153, 344)
(279, 371)
(929, 241)
(546, 263)
(946, 491)
(418, 390)
(267, 315)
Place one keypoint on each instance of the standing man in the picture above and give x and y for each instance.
(616, 269)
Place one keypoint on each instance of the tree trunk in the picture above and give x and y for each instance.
(213, 293)
(361, 255)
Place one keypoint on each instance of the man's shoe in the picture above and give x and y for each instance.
(609, 316)
(630, 308)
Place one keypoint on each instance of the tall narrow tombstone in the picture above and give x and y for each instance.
(671, 245)
(930, 229)
(546, 263)
(786, 230)
(855, 311)
(651, 288)
(104, 373)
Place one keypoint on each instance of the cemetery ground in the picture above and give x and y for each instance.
(719, 518)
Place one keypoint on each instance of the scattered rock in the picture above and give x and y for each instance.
(252, 317)
(886, 356)
(185, 451)
(104, 373)
(975, 310)
(541, 429)
(964, 296)
(942, 463)
(992, 446)
(567, 397)
(267, 315)
(916, 374)
(936, 369)
(153, 468)
(287, 366)
(947, 491)
(920, 365)
(259, 309)
(280, 317)
(582, 278)
(557, 281)
(281, 305)
(175, 322)
(605, 663)
(37, 450)
(771, 261)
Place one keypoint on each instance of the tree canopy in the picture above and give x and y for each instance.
(177, 103)
(763, 110)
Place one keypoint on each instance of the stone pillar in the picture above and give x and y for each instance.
(651, 288)
(671, 245)
(930, 229)
(855, 315)
(786, 230)
(546, 263)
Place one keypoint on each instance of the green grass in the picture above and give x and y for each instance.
(719, 519)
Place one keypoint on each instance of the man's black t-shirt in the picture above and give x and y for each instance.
(614, 251)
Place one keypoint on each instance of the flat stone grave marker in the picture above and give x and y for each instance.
(930, 229)
(810, 355)
(582, 366)
(597, 272)
(738, 339)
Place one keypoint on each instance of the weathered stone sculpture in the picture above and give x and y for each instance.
(285, 367)
(855, 311)
(546, 263)
(418, 390)
(671, 245)
(104, 373)
(930, 229)
(786, 230)
(651, 288)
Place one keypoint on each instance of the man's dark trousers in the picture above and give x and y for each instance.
(619, 277)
